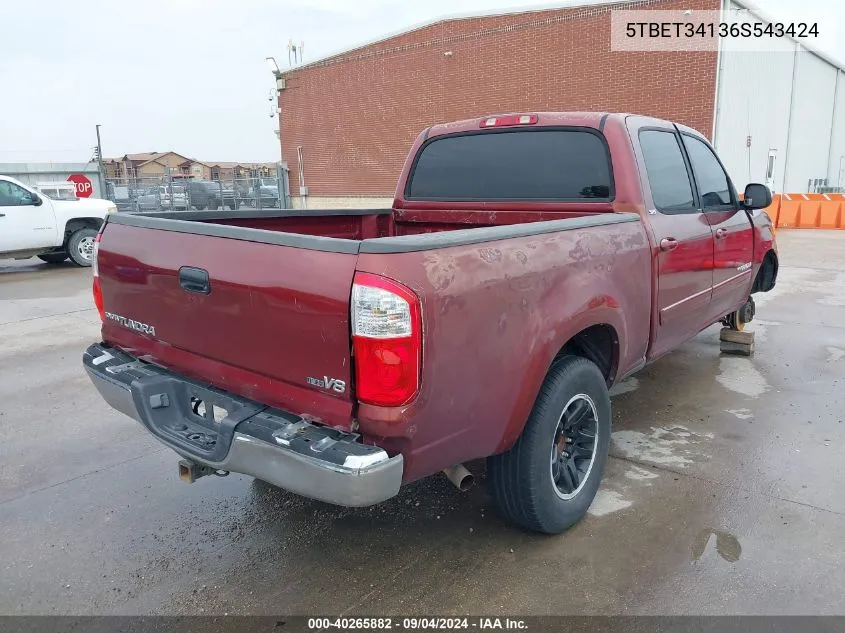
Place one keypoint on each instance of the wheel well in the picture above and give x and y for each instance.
(598, 344)
(767, 275)
(81, 223)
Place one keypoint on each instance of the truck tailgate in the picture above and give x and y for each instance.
(272, 325)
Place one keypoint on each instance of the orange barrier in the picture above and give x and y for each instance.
(811, 211)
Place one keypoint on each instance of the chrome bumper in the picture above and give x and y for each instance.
(274, 446)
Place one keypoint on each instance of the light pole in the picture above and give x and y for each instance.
(103, 191)
(280, 85)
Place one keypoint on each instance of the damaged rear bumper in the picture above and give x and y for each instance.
(224, 432)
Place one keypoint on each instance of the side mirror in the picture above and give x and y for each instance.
(757, 196)
(31, 198)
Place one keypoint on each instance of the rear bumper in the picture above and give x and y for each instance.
(274, 446)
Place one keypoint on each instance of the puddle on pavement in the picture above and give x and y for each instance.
(741, 414)
(727, 545)
(626, 386)
(665, 446)
(741, 376)
(834, 354)
(608, 502)
(635, 473)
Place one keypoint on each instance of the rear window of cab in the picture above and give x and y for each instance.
(548, 164)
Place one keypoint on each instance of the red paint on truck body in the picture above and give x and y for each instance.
(494, 314)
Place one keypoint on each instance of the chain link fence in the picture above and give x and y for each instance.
(177, 192)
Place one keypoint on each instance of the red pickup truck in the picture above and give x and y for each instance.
(529, 262)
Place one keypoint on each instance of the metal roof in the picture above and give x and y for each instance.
(586, 5)
(765, 17)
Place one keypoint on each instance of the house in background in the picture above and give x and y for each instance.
(152, 165)
(155, 165)
(233, 171)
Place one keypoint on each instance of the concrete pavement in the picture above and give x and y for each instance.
(723, 493)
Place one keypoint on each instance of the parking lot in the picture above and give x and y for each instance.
(723, 493)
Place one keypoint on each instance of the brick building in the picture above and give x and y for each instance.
(346, 121)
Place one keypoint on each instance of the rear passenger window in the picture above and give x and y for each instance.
(667, 172)
(550, 164)
(711, 178)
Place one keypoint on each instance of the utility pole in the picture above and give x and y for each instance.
(103, 191)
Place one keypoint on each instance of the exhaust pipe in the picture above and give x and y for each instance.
(460, 477)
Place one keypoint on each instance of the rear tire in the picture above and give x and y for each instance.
(80, 247)
(53, 258)
(548, 479)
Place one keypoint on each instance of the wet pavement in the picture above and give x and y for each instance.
(724, 492)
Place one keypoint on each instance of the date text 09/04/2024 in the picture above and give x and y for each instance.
(721, 29)
(418, 623)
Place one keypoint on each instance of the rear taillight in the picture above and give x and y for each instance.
(386, 340)
(98, 291)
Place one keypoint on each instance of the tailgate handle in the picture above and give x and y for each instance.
(194, 280)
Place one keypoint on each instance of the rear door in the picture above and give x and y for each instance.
(682, 236)
(264, 321)
(733, 234)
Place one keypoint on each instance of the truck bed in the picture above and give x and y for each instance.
(272, 308)
(358, 225)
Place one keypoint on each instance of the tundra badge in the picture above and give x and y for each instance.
(327, 383)
(131, 324)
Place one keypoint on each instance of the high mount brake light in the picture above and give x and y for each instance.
(510, 120)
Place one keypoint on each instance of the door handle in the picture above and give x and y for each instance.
(2, 215)
(721, 234)
(194, 280)
(669, 244)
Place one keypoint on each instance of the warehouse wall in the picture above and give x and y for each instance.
(811, 121)
(836, 169)
(343, 202)
(754, 100)
(355, 115)
(784, 100)
(34, 173)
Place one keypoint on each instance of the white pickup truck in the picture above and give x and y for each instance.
(33, 224)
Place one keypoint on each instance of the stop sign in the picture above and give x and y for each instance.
(84, 188)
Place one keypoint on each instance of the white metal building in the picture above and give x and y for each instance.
(791, 104)
(774, 107)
